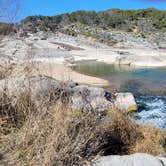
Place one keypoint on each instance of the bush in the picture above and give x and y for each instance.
(5, 28)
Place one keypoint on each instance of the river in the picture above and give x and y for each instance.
(147, 84)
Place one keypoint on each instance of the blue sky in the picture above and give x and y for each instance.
(53, 7)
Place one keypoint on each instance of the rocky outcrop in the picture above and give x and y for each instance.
(137, 159)
(46, 90)
(91, 98)
(94, 98)
(126, 48)
(39, 88)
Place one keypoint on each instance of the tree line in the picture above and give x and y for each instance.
(146, 19)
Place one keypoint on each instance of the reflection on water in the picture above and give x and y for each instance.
(127, 78)
(100, 69)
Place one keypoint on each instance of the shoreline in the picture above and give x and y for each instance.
(53, 54)
(147, 58)
(62, 72)
(135, 84)
(65, 73)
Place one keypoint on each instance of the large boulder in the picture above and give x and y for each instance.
(40, 88)
(98, 99)
(90, 98)
(138, 159)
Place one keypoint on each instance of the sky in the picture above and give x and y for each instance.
(53, 7)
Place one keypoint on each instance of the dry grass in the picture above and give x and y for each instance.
(60, 136)
(6, 69)
(152, 143)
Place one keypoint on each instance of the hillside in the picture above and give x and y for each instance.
(144, 20)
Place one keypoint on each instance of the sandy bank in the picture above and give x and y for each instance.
(60, 72)
(55, 70)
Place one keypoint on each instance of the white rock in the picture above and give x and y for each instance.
(138, 159)
(125, 102)
(90, 98)
(163, 159)
(100, 100)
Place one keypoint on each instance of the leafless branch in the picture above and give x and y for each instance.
(9, 10)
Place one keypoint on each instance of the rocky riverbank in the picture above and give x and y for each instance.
(53, 52)
(62, 48)
(34, 69)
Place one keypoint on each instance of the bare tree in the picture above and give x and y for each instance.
(9, 10)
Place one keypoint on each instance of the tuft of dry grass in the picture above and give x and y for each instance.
(138, 138)
(58, 135)
(152, 142)
(6, 69)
